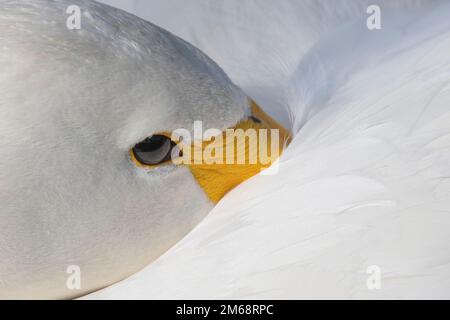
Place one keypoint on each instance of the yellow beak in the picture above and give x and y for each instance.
(238, 153)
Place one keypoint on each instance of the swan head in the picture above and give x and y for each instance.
(87, 124)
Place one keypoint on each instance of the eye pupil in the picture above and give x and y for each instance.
(153, 150)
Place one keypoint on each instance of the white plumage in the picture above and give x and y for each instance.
(365, 181)
(72, 105)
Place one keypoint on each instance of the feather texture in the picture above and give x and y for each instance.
(365, 181)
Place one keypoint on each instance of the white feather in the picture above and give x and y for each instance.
(72, 105)
(365, 181)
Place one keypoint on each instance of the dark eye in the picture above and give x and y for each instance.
(153, 150)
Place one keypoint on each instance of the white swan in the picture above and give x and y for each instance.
(81, 186)
(364, 186)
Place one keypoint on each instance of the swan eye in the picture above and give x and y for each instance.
(153, 150)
